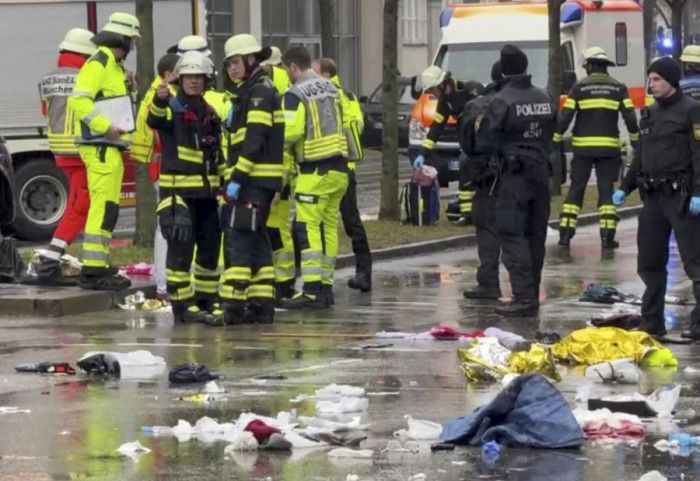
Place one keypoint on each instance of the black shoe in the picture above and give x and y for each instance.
(482, 292)
(565, 236)
(231, 316)
(519, 308)
(260, 313)
(104, 283)
(652, 328)
(56, 280)
(303, 300)
(692, 333)
(607, 239)
(284, 290)
(362, 283)
(327, 294)
(194, 315)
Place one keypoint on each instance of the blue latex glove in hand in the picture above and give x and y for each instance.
(695, 205)
(232, 190)
(229, 118)
(619, 197)
(420, 160)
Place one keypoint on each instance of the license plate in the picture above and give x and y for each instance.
(453, 165)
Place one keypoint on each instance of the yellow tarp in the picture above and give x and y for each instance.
(591, 346)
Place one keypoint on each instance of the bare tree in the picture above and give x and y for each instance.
(554, 82)
(676, 7)
(145, 194)
(649, 34)
(389, 203)
(328, 27)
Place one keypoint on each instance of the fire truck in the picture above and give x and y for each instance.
(473, 35)
(31, 32)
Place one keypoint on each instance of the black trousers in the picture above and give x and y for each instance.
(522, 212)
(355, 230)
(206, 237)
(607, 170)
(487, 244)
(661, 215)
(249, 275)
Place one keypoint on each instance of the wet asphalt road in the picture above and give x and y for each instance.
(76, 424)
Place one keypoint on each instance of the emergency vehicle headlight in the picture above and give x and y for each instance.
(416, 130)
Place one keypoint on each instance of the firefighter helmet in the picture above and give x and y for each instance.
(691, 54)
(194, 63)
(123, 24)
(242, 44)
(596, 55)
(275, 57)
(193, 42)
(431, 77)
(78, 40)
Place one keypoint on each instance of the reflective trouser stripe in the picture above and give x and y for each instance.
(206, 281)
(608, 216)
(324, 194)
(236, 280)
(179, 285)
(56, 249)
(266, 291)
(465, 201)
(569, 215)
(279, 225)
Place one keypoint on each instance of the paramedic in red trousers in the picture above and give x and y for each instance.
(482, 170)
(452, 95)
(668, 176)
(517, 128)
(55, 88)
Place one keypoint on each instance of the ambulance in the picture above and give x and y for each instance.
(30, 34)
(473, 35)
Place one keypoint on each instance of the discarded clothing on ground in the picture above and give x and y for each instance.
(509, 340)
(548, 338)
(47, 367)
(138, 302)
(439, 333)
(602, 423)
(619, 370)
(602, 294)
(348, 439)
(11, 263)
(140, 269)
(625, 321)
(191, 373)
(593, 346)
(133, 365)
(488, 360)
(529, 412)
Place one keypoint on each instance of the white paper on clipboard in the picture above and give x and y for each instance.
(119, 110)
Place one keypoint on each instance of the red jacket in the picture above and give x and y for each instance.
(67, 59)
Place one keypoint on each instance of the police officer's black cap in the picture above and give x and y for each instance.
(513, 60)
(496, 72)
(668, 68)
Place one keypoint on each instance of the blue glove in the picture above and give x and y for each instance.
(619, 197)
(233, 189)
(229, 118)
(695, 205)
(420, 160)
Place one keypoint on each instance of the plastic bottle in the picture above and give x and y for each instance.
(157, 430)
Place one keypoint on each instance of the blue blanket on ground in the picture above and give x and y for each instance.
(529, 412)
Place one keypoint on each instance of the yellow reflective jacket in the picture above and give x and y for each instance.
(353, 122)
(101, 77)
(144, 138)
(280, 79)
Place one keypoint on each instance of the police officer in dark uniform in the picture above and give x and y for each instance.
(690, 85)
(668, 176)
(452, 95)
(596, 102)
(481, 170)
(517, 128)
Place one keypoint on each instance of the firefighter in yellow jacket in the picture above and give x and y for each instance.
(314, 127)
(352, 123)
(101, 144)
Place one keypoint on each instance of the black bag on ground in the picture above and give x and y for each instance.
(191, 373)
(11, 263)
(420, 205)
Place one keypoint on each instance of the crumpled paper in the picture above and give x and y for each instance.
(593, 346)
(487, 360)
(138, 302)
(70, 266)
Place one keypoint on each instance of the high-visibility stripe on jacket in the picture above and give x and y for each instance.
(144, 140)
(690, 86)
(101, 77)
(255, 134)
(314, 120)
(353, 122)
(55, 89)
(596, 102)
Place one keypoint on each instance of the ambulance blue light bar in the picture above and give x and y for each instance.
(446, 16)
(571, 12)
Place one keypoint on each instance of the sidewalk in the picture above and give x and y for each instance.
(22, 300)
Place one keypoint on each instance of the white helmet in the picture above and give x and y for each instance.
(123, 24)
(78, 40)
(596, 54)
(275, 57)
(431, 77)
(193, 42)
(194, 63)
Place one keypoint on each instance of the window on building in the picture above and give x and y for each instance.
(219, 27)
(415, 23)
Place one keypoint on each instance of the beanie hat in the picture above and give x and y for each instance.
(513, 60)
(496, 72)
(668, 68)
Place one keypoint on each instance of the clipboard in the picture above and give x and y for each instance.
(119, 110)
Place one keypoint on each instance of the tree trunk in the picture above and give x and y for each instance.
(649, 34)
(677, 26)
(328, 23)
(145, 193)
(389, 203)
(554, 81)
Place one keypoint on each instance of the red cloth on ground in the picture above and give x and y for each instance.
(620, 429)
(75, 216)
(260, 430)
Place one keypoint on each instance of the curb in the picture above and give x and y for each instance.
(20, 300)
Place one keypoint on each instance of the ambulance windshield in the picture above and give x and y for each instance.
(473, 61)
